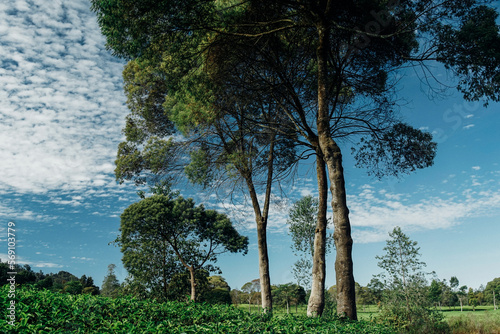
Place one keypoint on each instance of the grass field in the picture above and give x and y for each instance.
(367, 311)
(484, 320)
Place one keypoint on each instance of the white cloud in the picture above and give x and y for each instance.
(467, 127)
(82, 258)
(62, 100)
(373, 216)
(476, 167)
(22, 261)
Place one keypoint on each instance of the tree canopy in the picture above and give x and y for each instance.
(170, 224)
(330, 67)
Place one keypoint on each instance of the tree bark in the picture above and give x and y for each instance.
(261, 220)
(265, 280)
(346, 296)
(193, 284)
(316, 303)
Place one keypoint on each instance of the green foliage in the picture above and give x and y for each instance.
(73, 288)
(473, 300)
(218, 282)
(110, 285)
(48, 312)
(25, 274)
(492, 289)
(405, 302)
(302, 221)
(165, 235)
(472, 50)
(435, 292)
(400, 149)
(288, 294)
(217, 296)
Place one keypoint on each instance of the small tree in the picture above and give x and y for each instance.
(473, 300)
(196, 236)
(285, 294)
(435, 292)
(462, 296)
(405, 304)
(302, 221)
(250, 288)
(235, 296)
(110, 286)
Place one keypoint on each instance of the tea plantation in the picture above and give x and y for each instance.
(43, 311)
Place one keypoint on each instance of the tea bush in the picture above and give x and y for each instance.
(43, 311)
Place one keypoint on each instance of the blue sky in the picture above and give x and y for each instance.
(61, 117)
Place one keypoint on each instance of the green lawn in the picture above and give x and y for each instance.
(483, 320)
(480, 311)
(367, 311)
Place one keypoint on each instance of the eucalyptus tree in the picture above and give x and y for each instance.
(349, 51)
(186, 119)
(219, 140)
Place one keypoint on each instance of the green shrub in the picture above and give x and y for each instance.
(217, 296)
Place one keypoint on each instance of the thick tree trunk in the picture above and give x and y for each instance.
(193, 284)
(346, 297)
(316, 303)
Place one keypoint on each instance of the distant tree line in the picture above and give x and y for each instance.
(62, 281)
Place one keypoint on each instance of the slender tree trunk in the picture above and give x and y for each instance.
(407, 298)
(346, 296)
(261, 220)
(316, 303)
(164, 269)
(193, 284)
(265, 280)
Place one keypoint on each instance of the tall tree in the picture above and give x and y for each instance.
(222, 142)
(347, 87)
(195, 235)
